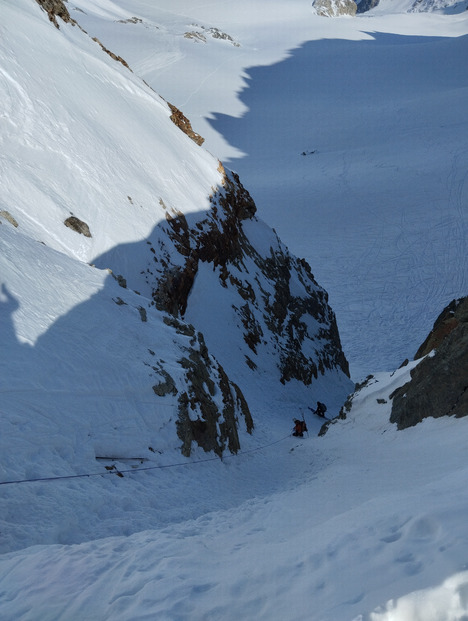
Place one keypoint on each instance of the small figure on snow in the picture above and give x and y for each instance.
(320, 409)
(299, 428)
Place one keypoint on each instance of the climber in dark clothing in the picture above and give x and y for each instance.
(321, 409)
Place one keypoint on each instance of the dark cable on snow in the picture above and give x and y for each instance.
(132, 470)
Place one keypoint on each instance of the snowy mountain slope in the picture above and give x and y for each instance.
(93, 370)
(353, 146)
(62, 121)
(268, 315)
(153, 185)
(372, 529)
(106, 380)
(364, 523)
(92, 379)
(375, 175)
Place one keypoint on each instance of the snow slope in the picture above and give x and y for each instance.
(365, 523)
(372, 527)
(93, 371)
(78, 105)
(350, 134)
(373, 174)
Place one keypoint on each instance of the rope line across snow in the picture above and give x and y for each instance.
(133, 470)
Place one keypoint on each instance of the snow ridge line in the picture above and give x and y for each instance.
(132, 470)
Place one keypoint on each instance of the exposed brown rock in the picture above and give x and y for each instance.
(54, 9)
(182, 122)
(111, 54)
(78, 225)
(439, 384)
(57, 8)
(447, 321)
(8, 217)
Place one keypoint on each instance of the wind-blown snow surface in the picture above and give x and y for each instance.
(365, 523)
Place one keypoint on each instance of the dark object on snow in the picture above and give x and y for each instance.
(299, 428)
(321, 409)
(78, 225)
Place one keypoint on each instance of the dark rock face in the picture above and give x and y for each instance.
(217, 240)
(439, 384)
(111, 54)
(281, 307)
(215, 427)
(279, 318)
(366, 5)
(448, 320)
(211, 409)
(286, 315)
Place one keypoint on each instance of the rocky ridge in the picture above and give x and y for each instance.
(278, 304)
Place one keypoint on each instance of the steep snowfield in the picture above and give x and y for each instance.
(365, 523)
(370, 526)
(82, 356)
(351, 135)
(83, 120)
(78, 365)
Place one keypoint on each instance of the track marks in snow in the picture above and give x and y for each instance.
(17, 107)
(457, 213)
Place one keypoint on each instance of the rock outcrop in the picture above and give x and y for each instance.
(277, 304)
(335, 8)
(183, 123)
(448, 320)
(366, 5)
(439, 384)
(78, 226)
(420, 6)
(8, 217)
(54, 9)
(210, 406)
